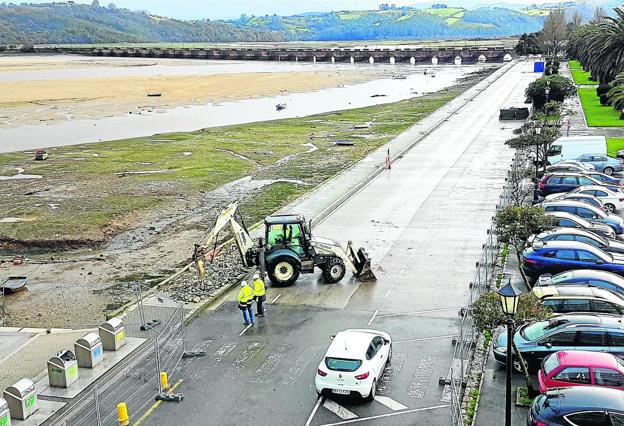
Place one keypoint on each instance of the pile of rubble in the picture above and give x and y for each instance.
(223, 270)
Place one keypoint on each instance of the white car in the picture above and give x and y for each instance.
(354, 362)
(611, 200)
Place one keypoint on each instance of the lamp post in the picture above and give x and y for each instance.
(509, 297)
(547, 90)
(537, 130)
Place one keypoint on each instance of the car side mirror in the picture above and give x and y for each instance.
(386, 341)
(332, 337)
(548, 345)
(600, 262)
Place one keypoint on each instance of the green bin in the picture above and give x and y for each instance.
(63, 369)
(21, 399)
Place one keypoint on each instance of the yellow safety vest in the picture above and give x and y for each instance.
(245, 295)
(259, 287)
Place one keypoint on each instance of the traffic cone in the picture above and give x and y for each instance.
(388, 162)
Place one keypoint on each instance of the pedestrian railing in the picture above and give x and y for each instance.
(135, 381)
(484, 280)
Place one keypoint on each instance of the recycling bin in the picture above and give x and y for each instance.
(21, 399)
(538, 67)
(63, 369)
(5, 414)
(88, 350)
(113, 334)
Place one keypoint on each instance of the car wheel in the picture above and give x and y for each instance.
(609, 207)
(389, 355)
(373, 391)
(608, 171)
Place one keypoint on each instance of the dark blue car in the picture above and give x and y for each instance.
(553, 257)
(605, 179)
(579, 405)
(553, 183)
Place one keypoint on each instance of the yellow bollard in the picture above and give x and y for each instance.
(164, 380)
(122, 414)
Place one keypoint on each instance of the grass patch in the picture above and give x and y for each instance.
(473, 401)
(578, 75)
(446, 12)
(487, 335)
(523, 396)
(598, 115)
(614, 145)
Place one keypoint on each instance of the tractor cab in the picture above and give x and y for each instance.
(289, 231)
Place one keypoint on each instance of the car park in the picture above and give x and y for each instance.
(589, 277)
(586, 211)
(569, 220)
(575, 234)
(579, 298)
(354, 362)
(558, 256)
(572, 196)
(552, 183)
(611, 200)
(536, 340)
(602, 163)
(581, 368)
(578, 406)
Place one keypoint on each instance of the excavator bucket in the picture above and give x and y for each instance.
(362, 264)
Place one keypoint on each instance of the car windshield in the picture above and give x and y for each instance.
(342, 364)
(538, 329)
(620, 361)
(564, 276)
(550, 363)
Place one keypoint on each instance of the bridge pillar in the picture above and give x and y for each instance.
(371, 60)
(392, 60)
(481, 58)
(458, 60)
(412, 61)
(333, 59)
(314, 59)
(434, 60)
(352, 59)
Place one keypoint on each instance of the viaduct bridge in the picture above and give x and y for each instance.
(308, 54)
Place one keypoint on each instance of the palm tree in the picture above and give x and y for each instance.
(616, 94)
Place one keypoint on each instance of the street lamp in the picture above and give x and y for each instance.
(547, 90)
(509, 297)
(537, 130)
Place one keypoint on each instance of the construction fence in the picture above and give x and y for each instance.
(484, 281)
(135, 381)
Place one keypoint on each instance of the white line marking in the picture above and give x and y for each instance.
(388, 292)
(275, 300)
(363, 419)
(423, 339)
(390, 403)
(426, 311)
(339, 410)
(246, 328)
(316, 407)
(373, 317)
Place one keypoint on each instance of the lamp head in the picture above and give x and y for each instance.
(509, 297)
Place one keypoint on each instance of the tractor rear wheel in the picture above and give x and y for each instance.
(284, 271)
(333, 270)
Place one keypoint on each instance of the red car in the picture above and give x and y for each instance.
(581, 368)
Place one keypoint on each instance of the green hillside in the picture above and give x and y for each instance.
(79, 23)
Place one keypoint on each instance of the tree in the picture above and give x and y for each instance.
(95, 3)
(515, 224)
(532, 141)
(576, 20)
(561, 88)
(528, 44)
(615, 96)
(555, 31)
(488, 316)
(599, 14)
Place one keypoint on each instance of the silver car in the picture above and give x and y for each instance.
(580, 235)
(590, 277)
(569, 220)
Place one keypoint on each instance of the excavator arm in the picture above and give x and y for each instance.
(359, 263)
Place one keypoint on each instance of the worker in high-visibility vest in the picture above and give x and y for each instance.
(245, 299)
(259, 294)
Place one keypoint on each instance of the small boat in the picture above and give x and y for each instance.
(154, 94)
(14, 284)
(280, 107)
(41, 154)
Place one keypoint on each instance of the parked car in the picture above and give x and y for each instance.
(553, 183)
(565, 167)
(602, 163)
(574, 234)
(559, 256)
(586, 166)
(580, 298)
(354, 362)
(537, 340)
(578, 406)
(581, 368)
(572, 196)
(586, 211)
(611, 200)
(590, 277)
(604, 179)
(569, 220)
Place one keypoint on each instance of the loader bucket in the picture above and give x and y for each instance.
(362, 265)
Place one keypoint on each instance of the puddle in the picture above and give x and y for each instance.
(20, 177)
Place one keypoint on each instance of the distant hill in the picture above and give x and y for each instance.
(79, 23)
(405, 22)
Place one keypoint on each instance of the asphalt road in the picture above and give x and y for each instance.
(423, 223)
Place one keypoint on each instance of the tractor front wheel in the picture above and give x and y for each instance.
(333, 270)
(284, 271)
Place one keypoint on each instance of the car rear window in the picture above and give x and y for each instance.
(342, 364)
(550, 363)
(555, 180)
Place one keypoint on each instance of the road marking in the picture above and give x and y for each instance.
(421, 377)
(339, 410)
(373, 317)
(269, 365)
(239, 365)
(223, 351)
(426, 311)
(422, 339)
(316, 407)
(390, 403)
(398, 413)
(390, 374)
(246, 328)
(156, 404)
(388, 292)
(275, 300)
(299, 365)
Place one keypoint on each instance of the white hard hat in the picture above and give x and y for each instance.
(243, 283)
(256, 275)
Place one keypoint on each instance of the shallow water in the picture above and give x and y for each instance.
(195, 117)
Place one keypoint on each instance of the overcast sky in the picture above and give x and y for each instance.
(225, 9)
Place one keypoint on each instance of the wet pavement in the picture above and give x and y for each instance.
(423, 222)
